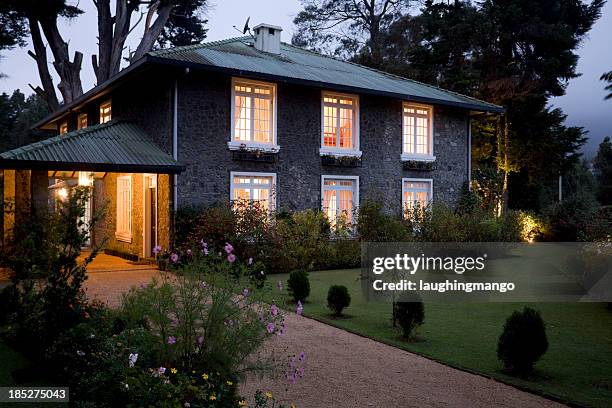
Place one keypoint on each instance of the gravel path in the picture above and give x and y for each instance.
(346, 370)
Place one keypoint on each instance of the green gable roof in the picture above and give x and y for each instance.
(239, 57)
(115, 146)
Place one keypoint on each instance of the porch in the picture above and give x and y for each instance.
(129, 179)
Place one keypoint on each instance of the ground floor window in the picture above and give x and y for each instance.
(254, 188)
(124, 208)
(340, 198)
(417, 194)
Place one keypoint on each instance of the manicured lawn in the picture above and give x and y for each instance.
(576, 368)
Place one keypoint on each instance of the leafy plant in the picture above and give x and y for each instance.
(338, 298)
(523, 341)
(299, 285)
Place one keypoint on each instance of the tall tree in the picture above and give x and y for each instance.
(351, 29)
(603, 167)
(42, 17)
(608, 78)
(17, 114)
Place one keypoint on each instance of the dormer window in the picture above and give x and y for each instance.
(340, 125)
(253, 116)
(106, 113)
(63, 129)
(82, 121)
(417, 132)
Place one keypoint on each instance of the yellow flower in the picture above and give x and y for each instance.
(173, 370)
(212, 397)
(243, 403)
(205, 376)
(228, 382)
(268, 394)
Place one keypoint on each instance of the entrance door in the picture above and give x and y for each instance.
(149, 214)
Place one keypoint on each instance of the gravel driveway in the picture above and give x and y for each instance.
(346, 370)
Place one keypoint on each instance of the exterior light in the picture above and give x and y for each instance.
(85, 179)
(62, 193)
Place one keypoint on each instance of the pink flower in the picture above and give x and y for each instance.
(157, 249)
(161, 370)
(189, 252)
(228, 248)
(171, 340)
(302, 356)
(245, 292)
(203, 284)
(231, 258)
(273, 310)
(174, 257)
(200, 340)
(299, 309)
(270, 327)
(250, 261)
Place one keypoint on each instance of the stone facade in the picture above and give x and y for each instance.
(204, 130)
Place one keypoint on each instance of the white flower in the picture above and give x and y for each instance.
(132, 359)
(80, 353)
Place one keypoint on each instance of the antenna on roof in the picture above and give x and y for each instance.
(246, 28)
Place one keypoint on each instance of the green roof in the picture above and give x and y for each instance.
(238, 56)
(116, 146)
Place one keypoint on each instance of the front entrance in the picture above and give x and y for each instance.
(149, 214)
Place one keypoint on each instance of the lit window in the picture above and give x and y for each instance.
(340, 198)
(257, 188)
(417, 194)
(82, 121)
(417, 139)
(106, 113)
(63, 128)
(253, 109)
(340, 127)
(124, 208)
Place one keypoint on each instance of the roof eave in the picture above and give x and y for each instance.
(93, 167)
(321, 84)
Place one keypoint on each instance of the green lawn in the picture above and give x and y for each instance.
(576, 368)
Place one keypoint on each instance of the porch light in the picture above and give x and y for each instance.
(62, 193)
(85, 179)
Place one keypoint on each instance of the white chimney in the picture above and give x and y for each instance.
(267, 38)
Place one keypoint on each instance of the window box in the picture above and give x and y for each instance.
(259, 156)
(419, 165)
(340, 161)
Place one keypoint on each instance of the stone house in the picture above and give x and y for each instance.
(245, 118)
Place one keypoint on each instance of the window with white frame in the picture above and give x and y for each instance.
(254, 188)
(124, 209)
(63, 128)
(253, 114)
(417, 194)
(340, 198)
(340, 124)
(82, 121)
(106, 112)
(417, 132)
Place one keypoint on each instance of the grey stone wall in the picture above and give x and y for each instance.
(204, 130)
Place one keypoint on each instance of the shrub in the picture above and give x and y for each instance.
(299, 285)
(373, 225)
(409, 313)
(569, 218)
(523, 341)
(338, 298)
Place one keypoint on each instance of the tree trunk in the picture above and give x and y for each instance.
(152, 31)
(40, 56)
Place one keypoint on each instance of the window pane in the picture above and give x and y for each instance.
(346, 129)
(254, 189)
(409, 134)
(416, 131)
(338, 202)
(330, 126)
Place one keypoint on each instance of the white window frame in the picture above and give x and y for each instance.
(63, 128)
(339, 151)
(126, 235)
(416, 180)
(81, 116)
(430, 134)
(355, 180)
(110, 105)
(273, 205)
(234, 144)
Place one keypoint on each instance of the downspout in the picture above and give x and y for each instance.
(175, 141)
(469, 152)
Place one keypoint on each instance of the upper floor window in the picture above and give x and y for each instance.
(417, 129)
(82, 121)
(63, 128)
(417, 194)
(253, 115)
(106, 113)
(340, 198)
(252, 188)
(340, 124)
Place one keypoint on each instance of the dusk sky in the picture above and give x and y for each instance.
(583, 103)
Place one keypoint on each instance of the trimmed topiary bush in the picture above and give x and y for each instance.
(523, 341)
(299, 285)
(409, 314)
(338, 298)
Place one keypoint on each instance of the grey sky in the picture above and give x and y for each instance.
(583, 103)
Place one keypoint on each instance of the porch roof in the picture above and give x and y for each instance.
(116, 146)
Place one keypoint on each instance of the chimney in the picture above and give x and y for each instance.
(267, 38)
